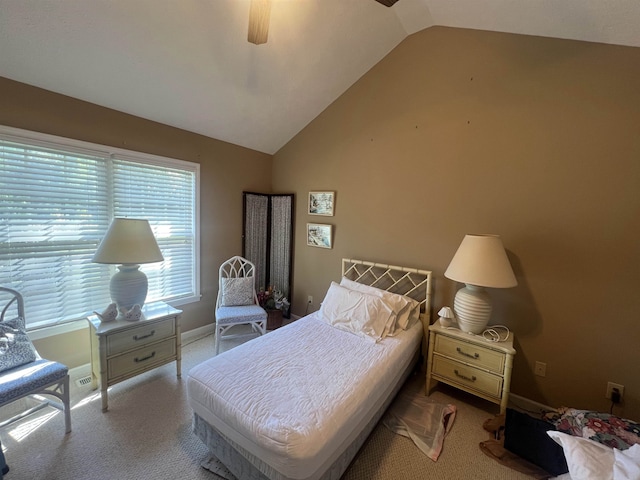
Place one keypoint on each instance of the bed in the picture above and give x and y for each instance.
(299, 402)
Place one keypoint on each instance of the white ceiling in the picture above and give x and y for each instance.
(187, 63)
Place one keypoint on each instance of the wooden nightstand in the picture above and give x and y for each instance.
(470, 363)
(121, 349)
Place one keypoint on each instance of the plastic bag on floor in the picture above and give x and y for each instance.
(424, 422)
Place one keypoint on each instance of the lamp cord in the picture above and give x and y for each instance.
(496, 333)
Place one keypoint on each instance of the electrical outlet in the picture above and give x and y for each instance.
(611, 386)
(540, 369)
(310, 299)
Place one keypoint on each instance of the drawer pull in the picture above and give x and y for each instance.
(136, 337)
(464, 377)
(153, 354)
(475, 356)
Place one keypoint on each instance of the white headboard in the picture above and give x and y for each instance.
(411, 282)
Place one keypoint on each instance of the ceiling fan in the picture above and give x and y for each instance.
(259, 14)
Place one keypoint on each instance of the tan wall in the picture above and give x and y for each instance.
(538, 140)
(226, 170)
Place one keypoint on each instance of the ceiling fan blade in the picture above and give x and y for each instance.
(387, 3)
(259, 13)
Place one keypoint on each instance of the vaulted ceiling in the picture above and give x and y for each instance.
(188, 64)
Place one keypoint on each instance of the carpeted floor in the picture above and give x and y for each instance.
(146, 434)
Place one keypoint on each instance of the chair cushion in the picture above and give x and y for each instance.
(240, 314)
(15, 346)
(236, 291)
(18, 381)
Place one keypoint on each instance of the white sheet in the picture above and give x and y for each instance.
(295, 396)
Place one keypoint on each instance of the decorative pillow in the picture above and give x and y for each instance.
(586, 459)
(237, 291)
(356, 312)
(405, 308)
(15, 347)
(627, 463)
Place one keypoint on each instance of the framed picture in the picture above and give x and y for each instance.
(321, 203)
(319, 235)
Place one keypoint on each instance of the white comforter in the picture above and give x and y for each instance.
(297, 396)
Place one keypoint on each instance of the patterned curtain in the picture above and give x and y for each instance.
(268, 239)
(256, 216)
(280, 266)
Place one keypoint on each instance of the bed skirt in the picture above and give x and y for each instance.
(246, 466)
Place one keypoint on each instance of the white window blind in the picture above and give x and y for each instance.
(57, 200)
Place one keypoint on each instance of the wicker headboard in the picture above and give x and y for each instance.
(411, 282)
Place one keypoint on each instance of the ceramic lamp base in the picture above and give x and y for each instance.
(472, 307)
(128, 287)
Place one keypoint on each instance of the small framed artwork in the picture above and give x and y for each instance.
(319, 235)
(321, 203)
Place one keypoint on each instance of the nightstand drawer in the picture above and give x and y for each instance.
(469, 377)
(476, 355)
(139, 336)
(140, 358)
(470, 363)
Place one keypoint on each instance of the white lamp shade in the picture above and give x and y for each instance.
(128, 241)
(445, 312)
(481, 260)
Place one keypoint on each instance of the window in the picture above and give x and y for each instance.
(57, 199)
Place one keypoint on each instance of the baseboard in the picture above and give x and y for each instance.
(528, 405)
(197, 333)
(79, 372)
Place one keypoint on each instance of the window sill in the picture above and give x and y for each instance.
(53, 330)
(80, 324)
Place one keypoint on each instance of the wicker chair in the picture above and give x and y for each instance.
(35, 377)
(237, 302)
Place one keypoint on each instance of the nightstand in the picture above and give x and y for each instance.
(122, 349)
(470, 363)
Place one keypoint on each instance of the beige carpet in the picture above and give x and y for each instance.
(146, 434)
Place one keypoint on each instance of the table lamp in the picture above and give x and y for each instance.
(128, 243)
(447, 318)
(479, 262)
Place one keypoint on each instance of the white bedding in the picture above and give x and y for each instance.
(296, 397)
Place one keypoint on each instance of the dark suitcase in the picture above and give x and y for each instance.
(526, 436)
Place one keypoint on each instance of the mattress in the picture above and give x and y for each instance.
(295, 398)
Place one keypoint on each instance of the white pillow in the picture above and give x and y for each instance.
(237, 291)
(405, 308)
(627, 463)
(586, 459)
(396, 304)
(413, 311)
(356, 312)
